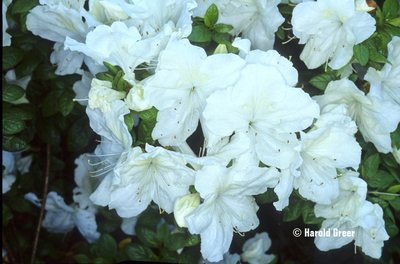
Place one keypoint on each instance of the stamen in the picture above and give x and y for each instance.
(290, 39)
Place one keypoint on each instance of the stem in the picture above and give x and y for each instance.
(46, 182)
(394, 194)
(6, 246)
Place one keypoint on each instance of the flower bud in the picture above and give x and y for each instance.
(101, 95)
(184, 206)
(221, 48)
(365, 5)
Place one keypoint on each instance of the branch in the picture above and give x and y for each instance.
(46, 183)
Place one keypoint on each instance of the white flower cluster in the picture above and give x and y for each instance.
(247, 105)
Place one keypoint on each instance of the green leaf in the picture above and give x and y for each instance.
(163, 233)
(82, 258)
(11, 57)
(48, 133)
(146, 114)
(169, 256)
(268, 197)
(107, 247)
(12, 126)
(286, 9)
(353, 77)
(149, 218)
(192, 240)
(119, 83)
(293, 211)
(390, 8)
(35, 92)
(112, 68)
(223, 28)
(105, 76)
(190, 256)
(7, 214)
(394, 189)
(29, 63)
(321, 81)
(361, 53)
(382, 39)
(394, 22)
(389, 160)
(211, 16)
(50, 104)
(129, 121)
(100, 261)
(382, 203)
(23, 6)
(370, 167)
(395, 203)
(374, 54)
(146, 127)
(147, 236)
(176, 241)
(107, 226)
(20, 204)
(280, 33)
(222, 38)
(13, 144)
(139, 252)
(200, 33)
(309, 215)
(12, 92)
(66, 103)
(45, 72)
(395, 137)
(79, 135)
(380, 179)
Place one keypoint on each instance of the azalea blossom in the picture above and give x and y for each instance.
(12, 163)
(385, 84)
(228, 205)
(375, 118)
(254, 249)
(256, 20)
(82, 88)
(104, 12)
(330, 29)
(158, 175)
(6, 36)
(184, 206)
(262, 106)
(184, 78)
(101, 95)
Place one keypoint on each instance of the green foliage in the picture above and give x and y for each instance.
(321, 81)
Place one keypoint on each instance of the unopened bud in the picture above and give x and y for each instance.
(184, 206)
(365, 5)
(221, 48)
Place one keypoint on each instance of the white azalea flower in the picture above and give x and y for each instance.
(257, 20)
(116, 44)
(330, 29)
(228, 205)
(228, 259)
(104, 12)
(101, 95)
(67, 61)
(128, 225)
(12, 162)
(254, 249)
(368, 226)
(385, 84)
(363, 5)
(322, 155)
(135, 100)
(74, 4)
(184, 206)
(184, 78)
(6, 36)
(158, 175)
(375, 118)
(82, 88)
(263, 107)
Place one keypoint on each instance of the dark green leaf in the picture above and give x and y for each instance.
(353, 77)
(7, 214)
(56, 164)
(321, 81)
(107, 226)
(35, 92)
(361, 53)
(190, 256)
(382, 39)
(382, 203)
(222, 38)
(211, 16)
(390, 226)
(309, 215)
(147, 114)
(139, 252)
(223, 28)
(395, 136)
(28, 64)
(11, 57)
(79, 135)
(13, 144)
(48, 133)
(100, 261)
(169, 256)
(163, 233)
(380, 179)
(389, 160)
(66, 103)
(20, 204)
(149, 218)
(81, 258)
(129, 121)
(23, 6)
(374, 54)
(107, 247)
(12, 92)
(200, 33)
(104, 76)
(286, 9)
(293, 211)
(147, 236)
(370, 167)
(280, 33)
(45, 71)
(176, 241)
(50, 104)
(395, 203)
(15, 113)
(268, 197)
(12, 126)
(145, 129)
(192, 240)
(390, 8)
(118, 82)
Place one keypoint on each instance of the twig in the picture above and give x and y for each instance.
(6, 246)
(46, 182)
(18, 245)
